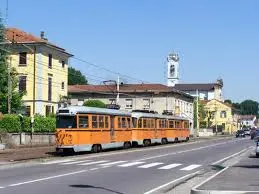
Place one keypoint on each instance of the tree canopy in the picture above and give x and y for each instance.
(249, 107)
(76, 77)
(202, 113)
(16, 100)
(95, 103)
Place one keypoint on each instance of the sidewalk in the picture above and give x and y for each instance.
(240, 178)
(10, 155)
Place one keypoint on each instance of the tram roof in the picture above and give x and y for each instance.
(151, 115)
(73, 110)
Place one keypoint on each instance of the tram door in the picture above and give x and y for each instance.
(112, 129)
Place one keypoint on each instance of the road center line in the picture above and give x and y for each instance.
(47, 178)
(1, 187)
(223, 159)
(180, 152)
(164, 185)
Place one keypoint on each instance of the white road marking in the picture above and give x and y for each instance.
(170, 166)
(96, 162)
(58, 161)
(191, 167)
(94, 169)
(223, 159)
(47, 178)
(130, 164)
(75, 162)
(150, 165)
(162, 186)
(112, 163)
(1, 187)
(180, 152)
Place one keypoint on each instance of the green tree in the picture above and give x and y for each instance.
(95, 103)
(201, 113)
(228, 101)
(249, 107)
(16, 101)
(76, 77)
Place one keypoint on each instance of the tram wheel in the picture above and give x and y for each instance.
(95, 148)
(164, 141)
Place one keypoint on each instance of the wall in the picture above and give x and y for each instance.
(16, 139)
(42, 73)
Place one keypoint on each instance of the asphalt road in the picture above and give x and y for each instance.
(142, 170)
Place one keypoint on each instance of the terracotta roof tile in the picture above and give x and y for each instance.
(19, 36)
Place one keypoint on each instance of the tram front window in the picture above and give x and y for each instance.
(66, 122)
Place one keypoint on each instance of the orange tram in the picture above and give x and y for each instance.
(80, 128)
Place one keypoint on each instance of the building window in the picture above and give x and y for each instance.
(112, 101)
(129, 103)
(63, 64)
(146, 103)
(22, 83)
(28, 111)
(50, 89)
(63, 85)
(50, 61)
(22, 59)
(48, 110)
(223, 114)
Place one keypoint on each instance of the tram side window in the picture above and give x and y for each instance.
(152, 123)
(171, 124)
(101, 121)
(149, 123)
(94, 122)
(140, 123)
(178, 124)
(129, 123)
(186, 124)
(134, 122)
(144, 123)
(119, 122)
(124, 124)
(106, 122)
(83, 122)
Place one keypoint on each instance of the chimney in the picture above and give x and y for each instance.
(42, 35)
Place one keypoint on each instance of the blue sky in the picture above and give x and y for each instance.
(215, 39)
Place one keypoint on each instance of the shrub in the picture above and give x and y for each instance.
(44, 124)
(94, 103)
(10, 123)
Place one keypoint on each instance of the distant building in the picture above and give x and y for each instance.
(206, 91)
(221, 116)
(152, 97)
(248, 120)
(42, 70)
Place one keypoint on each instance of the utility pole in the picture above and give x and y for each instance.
(197, 113)
(9, 85)
(118, 91)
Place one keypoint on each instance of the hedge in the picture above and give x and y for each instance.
(12, 124)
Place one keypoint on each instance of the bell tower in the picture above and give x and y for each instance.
(172, 69)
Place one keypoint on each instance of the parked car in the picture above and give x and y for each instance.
(247, 131)
(256, 139)
(253, 133)
(240, 133)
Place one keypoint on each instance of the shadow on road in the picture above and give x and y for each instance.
(247, 166)
(93, 187)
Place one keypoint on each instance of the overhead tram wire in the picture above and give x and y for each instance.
(111, 71)
(103, 68)
(58, 84)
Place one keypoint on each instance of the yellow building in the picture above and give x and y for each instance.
(220, 116)
(42, 70)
